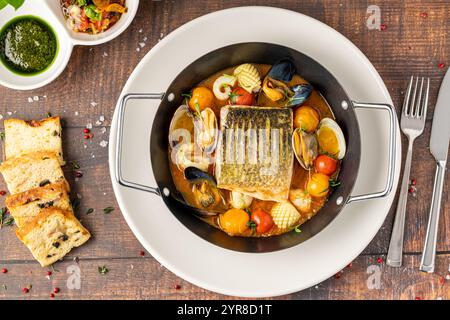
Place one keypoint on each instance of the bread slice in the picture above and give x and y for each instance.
(52, 234)
(31, 171)
(26, 206)
(23, 137)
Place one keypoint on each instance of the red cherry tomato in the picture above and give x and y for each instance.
(325, 165)
(241, 97)
(263, 220)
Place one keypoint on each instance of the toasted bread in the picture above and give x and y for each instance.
(23, 137)
(31, 171)
(25, 206)
(52, 234)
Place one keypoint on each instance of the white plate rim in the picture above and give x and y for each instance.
(160, 256)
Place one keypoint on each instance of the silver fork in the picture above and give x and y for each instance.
(413, 118)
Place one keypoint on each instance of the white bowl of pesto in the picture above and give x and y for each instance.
(36, 41)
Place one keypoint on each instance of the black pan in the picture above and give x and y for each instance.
(265, 53)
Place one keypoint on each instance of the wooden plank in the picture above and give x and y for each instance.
(145, 278)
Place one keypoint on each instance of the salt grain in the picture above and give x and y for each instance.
(138, 49)
(101, 118)
(30, 99)
(36, 98)
(103, 143)
(140, 30)
(105, 54)
(76, 113)
(145, 39)
(89, 126)
(142, 44)
(98, 122)
(9, 113)
(94, 104)
(102, 130)
(1, 116)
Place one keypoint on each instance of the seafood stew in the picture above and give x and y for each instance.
(257, 148)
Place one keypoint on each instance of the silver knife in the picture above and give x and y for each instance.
(440, 133)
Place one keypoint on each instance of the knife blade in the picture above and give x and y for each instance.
(440, 130)
(440, 134)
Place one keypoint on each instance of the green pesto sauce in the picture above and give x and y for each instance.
(28, 45)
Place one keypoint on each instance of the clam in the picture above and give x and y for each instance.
(305, 148)
(204, 188)
(206, 131)
(174, 133)
(185, 156)
(301, 93)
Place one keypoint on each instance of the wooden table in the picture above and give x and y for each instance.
(415, 40)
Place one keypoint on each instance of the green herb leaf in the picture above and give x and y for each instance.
(103, 270)
(81, 3)
(75, 204)
(3, 4)
(15, 3)
(187, 95)
(108, 210)
(2, 134)
(252, 225)
(91, 13)
(48, 114)
(233, 96)
(89, 211)
(75, 165)
(297, 229)
(9, 221)
(334, 184)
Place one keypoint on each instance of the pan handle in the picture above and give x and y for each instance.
(392, 150)
(120, 120)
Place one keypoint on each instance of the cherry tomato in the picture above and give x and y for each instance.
(306, 118)
(234, 221)
(318, 185)
(241, 97)
(202, 98)
(263, 220)
(325, 164)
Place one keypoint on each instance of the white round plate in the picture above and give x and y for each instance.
(50, 11)
(235, 273)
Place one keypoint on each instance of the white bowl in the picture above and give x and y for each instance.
(50, 11)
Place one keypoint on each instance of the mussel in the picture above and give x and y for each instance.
(283, 70)
(305, 148)
(206, 131)
(275, 83)
(204, 188)
(300, 93)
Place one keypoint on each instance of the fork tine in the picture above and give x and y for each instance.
(415, 113)
(423, 111)
(407, 96)
(411, 106)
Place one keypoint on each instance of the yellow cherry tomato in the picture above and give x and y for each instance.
(202, 98)
(306, 118)
(234, 221)
(318, 185)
